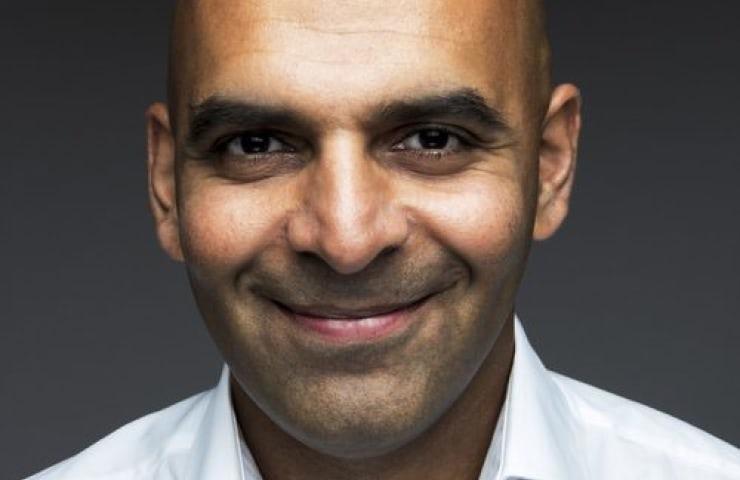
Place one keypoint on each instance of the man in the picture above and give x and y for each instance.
(353, 187)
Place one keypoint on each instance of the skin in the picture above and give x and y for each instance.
(351, 213)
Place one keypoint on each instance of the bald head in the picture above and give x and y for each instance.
(345, 159)
(206, 29)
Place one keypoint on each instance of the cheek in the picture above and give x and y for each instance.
(226, 225)
(482, 221)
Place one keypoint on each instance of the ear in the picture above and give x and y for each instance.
(162, 190)
(558, 149)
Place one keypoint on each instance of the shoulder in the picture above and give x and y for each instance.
(139, 449)
(618, 431)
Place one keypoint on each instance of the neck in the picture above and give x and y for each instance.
(454, 447)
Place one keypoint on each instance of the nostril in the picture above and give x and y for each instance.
(388, 251)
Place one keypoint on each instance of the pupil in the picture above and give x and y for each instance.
(433, 139)
(255, 143)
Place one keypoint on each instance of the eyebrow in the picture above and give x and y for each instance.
(464, 104)
(218, 111)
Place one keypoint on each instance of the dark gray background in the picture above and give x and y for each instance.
(638, 294)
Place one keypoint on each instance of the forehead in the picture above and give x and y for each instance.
(338, 54)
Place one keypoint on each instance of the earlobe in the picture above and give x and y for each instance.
(557, 159)
(162, 186)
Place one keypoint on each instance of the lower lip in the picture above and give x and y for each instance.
(358, 329)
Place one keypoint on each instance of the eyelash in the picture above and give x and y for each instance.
(465, 142)
(220, 146)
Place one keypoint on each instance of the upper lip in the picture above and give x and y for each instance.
(343, 312)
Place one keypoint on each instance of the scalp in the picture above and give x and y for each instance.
(193, 19)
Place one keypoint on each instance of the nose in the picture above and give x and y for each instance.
(349, 213)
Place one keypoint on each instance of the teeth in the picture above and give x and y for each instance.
(361, 316)
(353, 317)
(368, 320)
(364, 322)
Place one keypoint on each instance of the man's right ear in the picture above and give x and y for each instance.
(162, 190)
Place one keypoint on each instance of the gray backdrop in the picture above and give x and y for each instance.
(638, 294)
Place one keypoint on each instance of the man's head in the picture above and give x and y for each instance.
(345, 159)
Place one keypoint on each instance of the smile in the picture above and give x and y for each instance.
(344, 325)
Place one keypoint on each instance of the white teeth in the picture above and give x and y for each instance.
(364, 322)
(371, 322)
(368, 316)
(349, 316)
(357, 318)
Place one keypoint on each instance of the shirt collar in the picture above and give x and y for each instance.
(535, 438)
(540, 439)
(215, 451)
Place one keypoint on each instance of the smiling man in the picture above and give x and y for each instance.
(354, 187)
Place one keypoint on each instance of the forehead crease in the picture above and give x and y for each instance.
(222, 34)
(336, 32)
(232, 21)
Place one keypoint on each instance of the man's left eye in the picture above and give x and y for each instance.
(430, 139)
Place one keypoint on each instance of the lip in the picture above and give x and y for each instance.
(353, 326)
(330, 312)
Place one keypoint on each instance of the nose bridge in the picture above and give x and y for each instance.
(352, 207)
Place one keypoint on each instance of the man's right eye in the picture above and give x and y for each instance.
(249, 144)
(250, 156)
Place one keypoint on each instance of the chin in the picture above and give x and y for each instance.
(358, 440)
(360, 418)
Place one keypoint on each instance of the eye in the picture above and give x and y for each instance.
(435, 139)
(255, 144)
(253, 155)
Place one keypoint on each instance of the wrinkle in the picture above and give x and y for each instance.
(347, 32)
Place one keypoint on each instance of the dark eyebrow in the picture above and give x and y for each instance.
(466, 104)
(217, 111)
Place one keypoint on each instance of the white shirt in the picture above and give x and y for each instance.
(551, 428)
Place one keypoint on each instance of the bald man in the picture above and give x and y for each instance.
(353, 188)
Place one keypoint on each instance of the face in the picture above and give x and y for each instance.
(354, 191)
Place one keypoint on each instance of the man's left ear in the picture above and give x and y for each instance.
(557, 161)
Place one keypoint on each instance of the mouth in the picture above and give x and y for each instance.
(351, 325)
